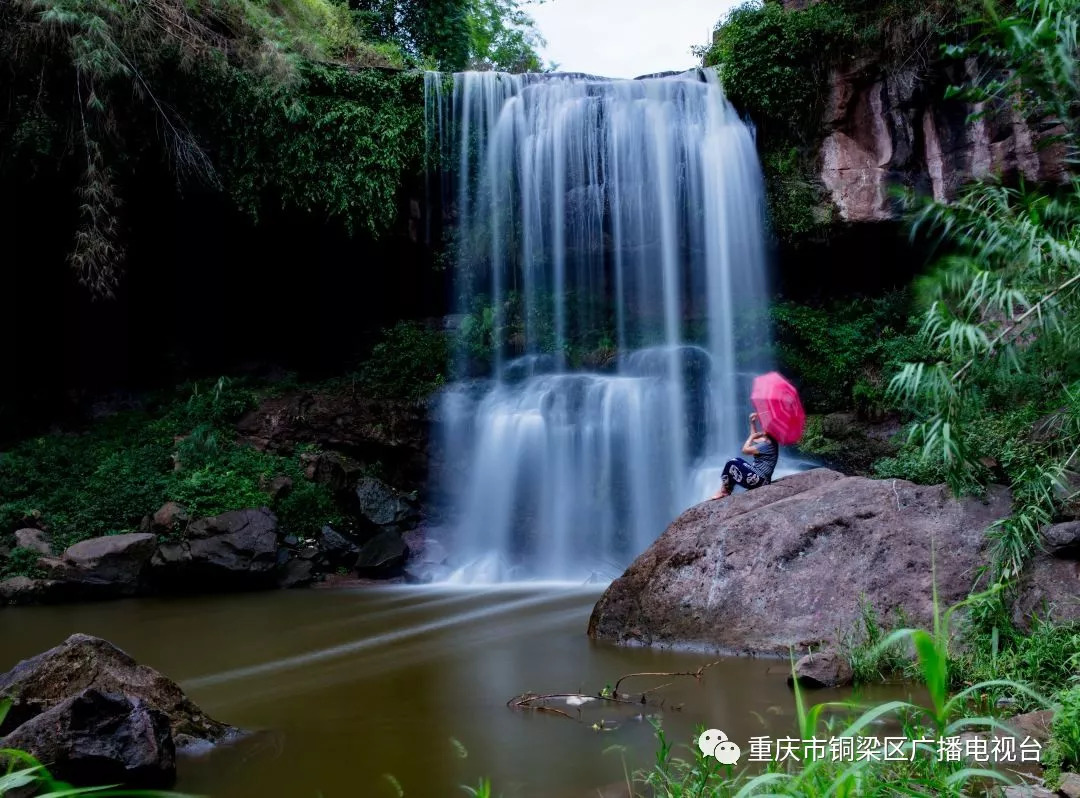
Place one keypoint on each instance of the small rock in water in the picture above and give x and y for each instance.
(824, 669)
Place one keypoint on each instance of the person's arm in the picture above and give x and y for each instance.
(755, 435)
(748, 447)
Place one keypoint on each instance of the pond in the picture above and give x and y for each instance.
(352, 690)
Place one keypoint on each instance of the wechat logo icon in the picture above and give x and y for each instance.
(715, 743)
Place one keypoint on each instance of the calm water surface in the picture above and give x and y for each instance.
(348, 685)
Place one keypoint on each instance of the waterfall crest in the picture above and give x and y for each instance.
(610, 254)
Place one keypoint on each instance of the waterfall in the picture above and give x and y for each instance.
(610, 267)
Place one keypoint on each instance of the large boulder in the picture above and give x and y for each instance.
(786, 564)
(237, 550)
(97, 738)
(114, 563)
(83, 662)
(382, 506)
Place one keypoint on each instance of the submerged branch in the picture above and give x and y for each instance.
(696, 674)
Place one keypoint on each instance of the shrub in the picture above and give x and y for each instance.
(1063, 752)
(410, 363)
(105, 479)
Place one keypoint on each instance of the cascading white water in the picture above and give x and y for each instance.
(615, 223)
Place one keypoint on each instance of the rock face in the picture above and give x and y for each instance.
(888, 126)
(101, 738)
(235, 550)
(786, 564)
(1049, 590)
(96, 716)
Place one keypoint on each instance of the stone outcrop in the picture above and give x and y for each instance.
(96, 716)
(235, 550)
(114, 562)
(785, 565)
(886, 126)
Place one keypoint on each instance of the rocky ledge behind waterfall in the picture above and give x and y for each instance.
(785, 565)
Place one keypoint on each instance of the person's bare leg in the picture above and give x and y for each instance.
(723, 493)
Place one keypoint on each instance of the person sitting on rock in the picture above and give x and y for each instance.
(737, 471)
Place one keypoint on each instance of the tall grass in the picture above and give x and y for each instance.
(915, 767)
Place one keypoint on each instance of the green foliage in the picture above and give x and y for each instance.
(503, 36)
(1063, 752)
(457, 34)
(840, 353)
(337, 146)
(870, 661)
(794, 197)
(773, 63)
(910, 464)
(920, 773)
(104, 480)
(1004, 310)
(21, 562)
(408, 364)
(1045, 657)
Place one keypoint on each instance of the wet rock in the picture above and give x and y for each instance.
(332, 469)
(382, 506)
(33, 539)
(233, 551)
(98, 738)
(382, 556)
(337, 550)
(823, 669)
(84, 662)
(1049, 589)
(785, 565)
(113, 563)
(297, 573)
(1063, 540)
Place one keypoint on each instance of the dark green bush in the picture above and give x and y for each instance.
(841, 355)
(410, 363)
(21, 562)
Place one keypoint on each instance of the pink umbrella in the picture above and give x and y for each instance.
(778, 407)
